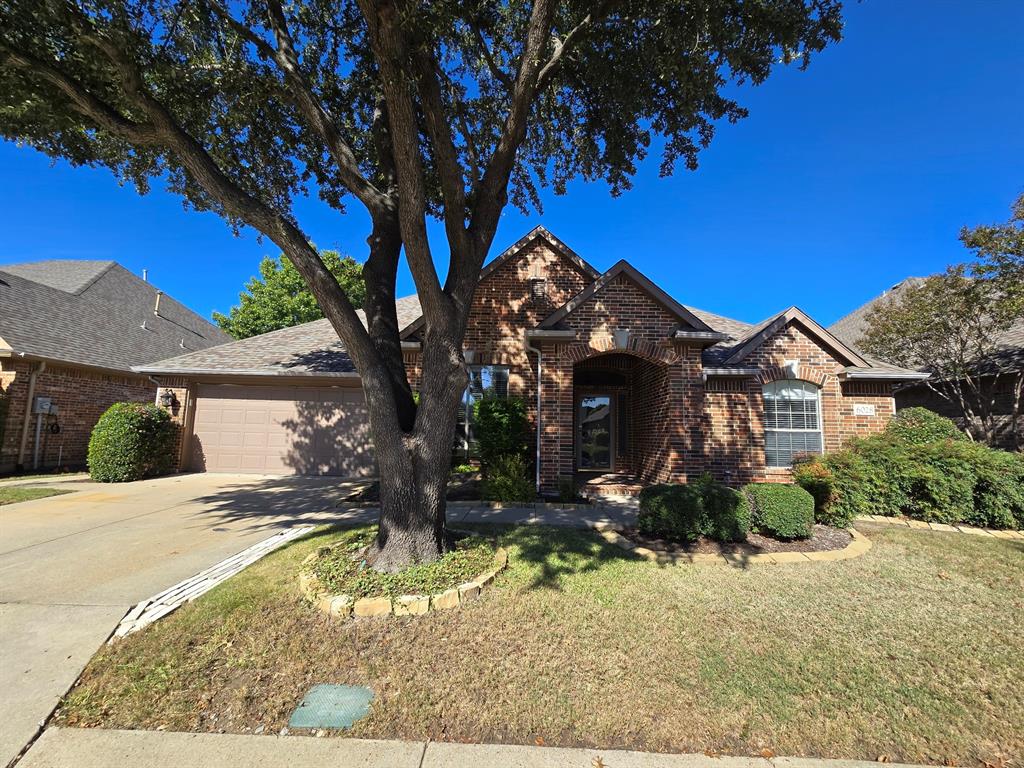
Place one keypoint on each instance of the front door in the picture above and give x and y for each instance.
(594, 425)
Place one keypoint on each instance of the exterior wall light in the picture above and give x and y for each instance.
(167, 399)
(621, 337)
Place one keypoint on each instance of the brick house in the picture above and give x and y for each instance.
(633, 388)
(70, 332)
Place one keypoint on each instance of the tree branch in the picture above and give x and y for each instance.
(390, 52)
(85, 103)
(492, 66)
(302, 96)
(571, 40)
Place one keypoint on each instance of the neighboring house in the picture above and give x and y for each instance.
(631, 382)
(1009, 357)
(70, 332)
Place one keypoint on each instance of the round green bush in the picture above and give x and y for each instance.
(503, 429)
(687, 512)
(918, 426)
(781, 511)
(131, 441)
(508, 480)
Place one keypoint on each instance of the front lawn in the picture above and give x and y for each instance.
(912, 652)
(18, 493)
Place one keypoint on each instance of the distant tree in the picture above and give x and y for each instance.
(280, 298)
(410, 111)
(953, 324)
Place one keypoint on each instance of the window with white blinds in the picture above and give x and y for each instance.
(792, 421)
(484, 381)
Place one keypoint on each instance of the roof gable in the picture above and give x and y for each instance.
(537, 233)
(760, 333)
(626, 269)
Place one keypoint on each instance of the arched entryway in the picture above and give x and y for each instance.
(621, 419)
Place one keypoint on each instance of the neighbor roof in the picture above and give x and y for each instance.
(310, 349)
(93, 313)
(852, 328)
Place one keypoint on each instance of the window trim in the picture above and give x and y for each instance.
(820, 430)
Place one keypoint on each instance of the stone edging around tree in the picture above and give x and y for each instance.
(903, 522)
(344, 607)
(859, 544)
(553, 506)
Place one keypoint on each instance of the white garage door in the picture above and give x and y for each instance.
(282, 430)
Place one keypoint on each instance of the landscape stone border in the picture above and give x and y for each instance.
(859, 544)
(921, 525)
(552, 506)
(345, 607)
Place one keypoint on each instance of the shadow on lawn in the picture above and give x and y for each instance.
(555, 553)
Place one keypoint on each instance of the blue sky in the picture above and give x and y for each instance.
(844, 179)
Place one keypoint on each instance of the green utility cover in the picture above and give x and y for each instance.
(332, 706)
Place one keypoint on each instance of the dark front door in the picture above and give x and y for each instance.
(594, 439)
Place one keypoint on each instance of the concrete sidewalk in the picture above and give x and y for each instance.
(93, 748)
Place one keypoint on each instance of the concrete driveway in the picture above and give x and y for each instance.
(72, 565)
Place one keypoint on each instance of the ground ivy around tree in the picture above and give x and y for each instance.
(279, 297)
(447, 110)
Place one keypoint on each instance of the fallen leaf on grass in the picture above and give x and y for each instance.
(539, 741)
(767, 753)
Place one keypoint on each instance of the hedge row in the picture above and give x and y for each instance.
(920, 467)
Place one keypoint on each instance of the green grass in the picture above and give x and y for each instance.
(342, 574)
(912, 652)
(18, 493)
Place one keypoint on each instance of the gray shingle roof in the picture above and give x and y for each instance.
(310, 349)
(92, 313)
(852, 327)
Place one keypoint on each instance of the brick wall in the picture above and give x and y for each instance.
(81, 396)
(734, 416)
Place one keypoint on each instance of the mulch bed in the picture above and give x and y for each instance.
(823, 539)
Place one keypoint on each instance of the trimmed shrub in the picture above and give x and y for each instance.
(942, 481)
(919, 426)
(687, 512)
(131, 441)
(813, 476)
(508, 480)
(780, 511)
(502, 429)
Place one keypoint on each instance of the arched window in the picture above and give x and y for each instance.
(792, 421)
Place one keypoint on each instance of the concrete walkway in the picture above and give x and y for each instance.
(75, 748)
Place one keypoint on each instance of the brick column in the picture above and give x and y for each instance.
(686, 390)
(556, 449)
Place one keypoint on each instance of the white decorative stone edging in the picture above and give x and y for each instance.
(344, 607)
(859, 544)
(921, 525)
(172, 598)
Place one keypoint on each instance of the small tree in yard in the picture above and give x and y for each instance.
(951, 325)
(280, 298)
(446, 109)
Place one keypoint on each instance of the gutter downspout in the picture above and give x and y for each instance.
(23, 445)
(540, 358)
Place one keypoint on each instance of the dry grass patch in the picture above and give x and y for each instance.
(912, 652)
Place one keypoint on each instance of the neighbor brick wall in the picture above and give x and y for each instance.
(81, 396)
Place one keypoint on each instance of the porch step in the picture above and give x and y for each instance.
(612, 484)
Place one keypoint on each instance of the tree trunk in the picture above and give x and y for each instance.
(414, 466)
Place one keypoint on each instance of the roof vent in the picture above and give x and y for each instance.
(145, 275)
(143, 326)
(156, 306)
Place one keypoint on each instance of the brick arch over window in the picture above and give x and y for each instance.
(642, 348)
(777, 373)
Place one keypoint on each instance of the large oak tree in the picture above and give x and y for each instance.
(449, 109)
